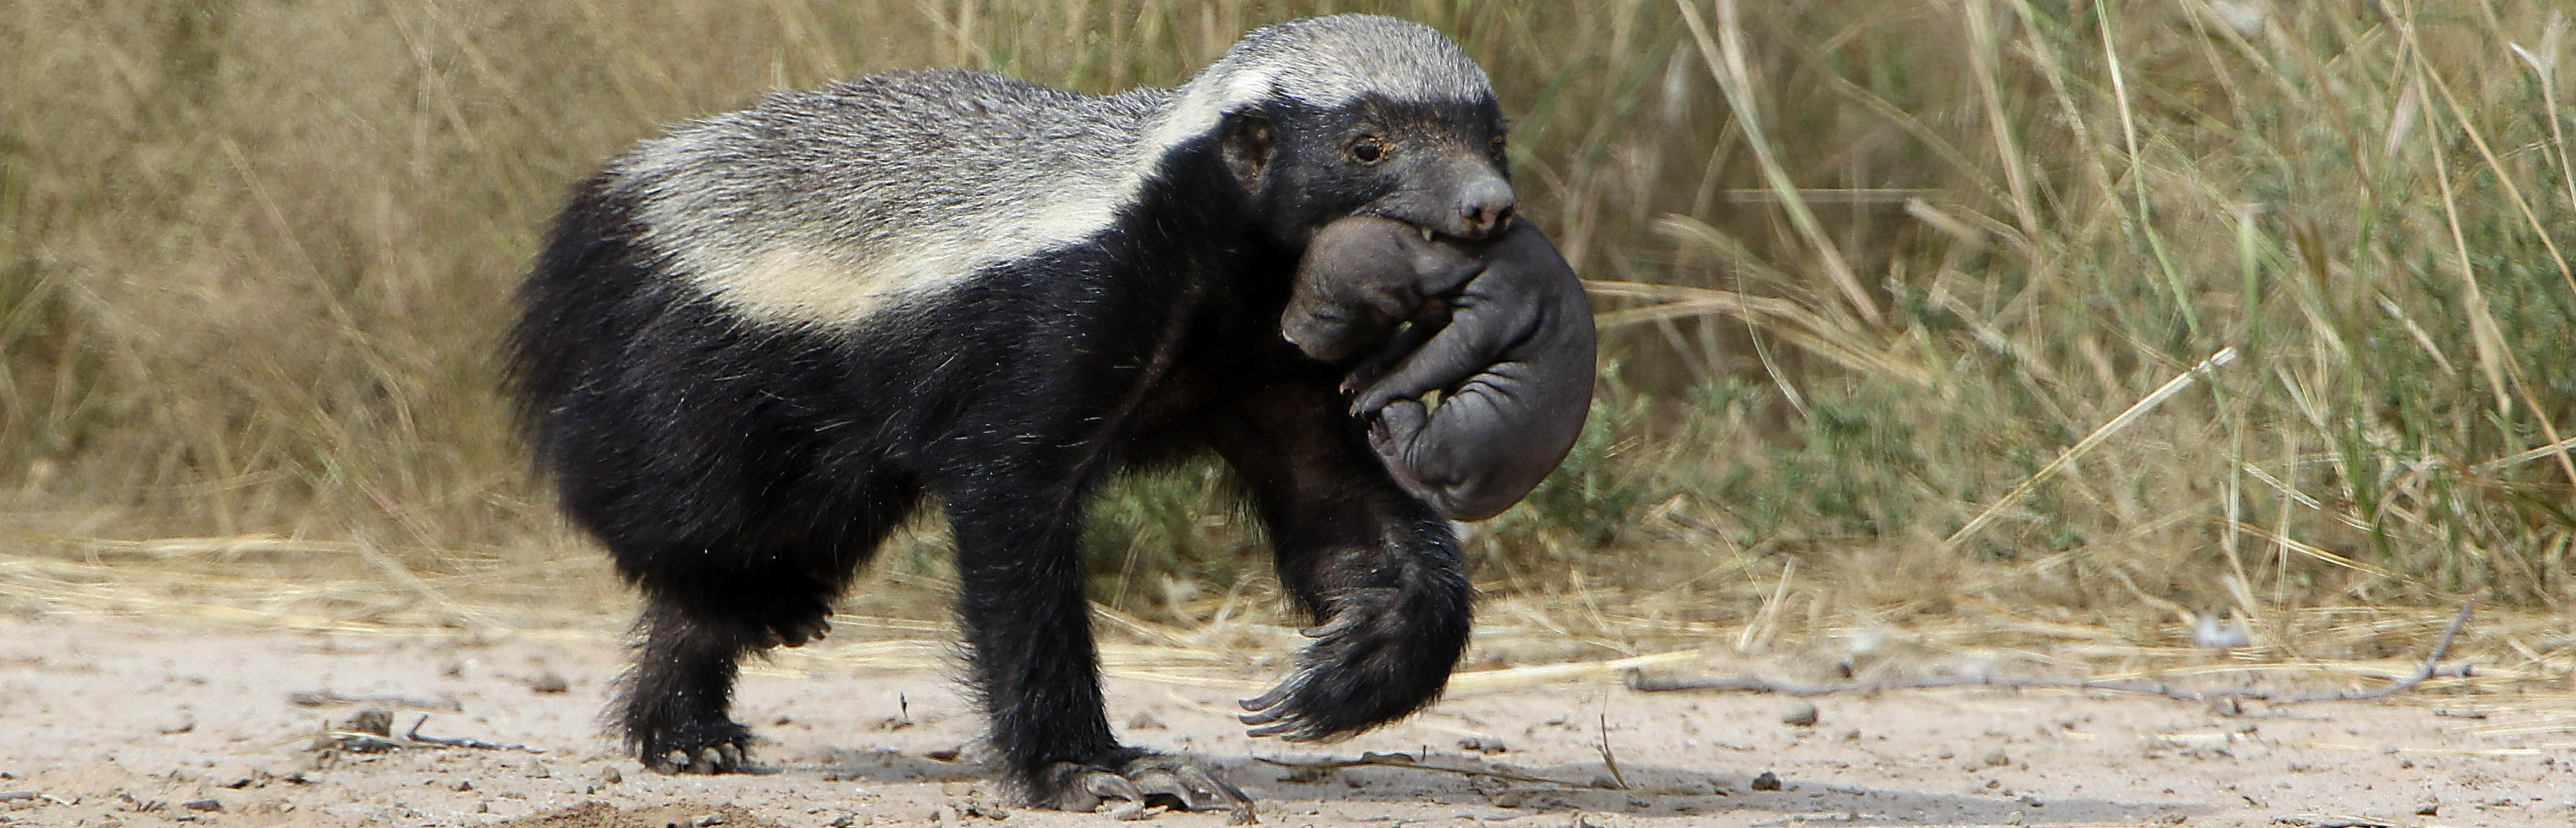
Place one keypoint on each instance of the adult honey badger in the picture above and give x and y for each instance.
(751, 346)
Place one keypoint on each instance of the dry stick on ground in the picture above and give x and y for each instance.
(361, 741)
(1639, 681)
(1407, 762)
(413, 735)
(1609, 761)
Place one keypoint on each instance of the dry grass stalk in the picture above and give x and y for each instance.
(250, 254)
(2135, 410)
(1726, 64)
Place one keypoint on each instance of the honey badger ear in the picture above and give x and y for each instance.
(1246, 143)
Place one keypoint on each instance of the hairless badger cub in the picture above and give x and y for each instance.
(1501, 330)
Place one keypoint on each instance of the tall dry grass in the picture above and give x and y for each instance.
(1872, 272)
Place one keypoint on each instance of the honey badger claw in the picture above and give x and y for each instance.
(1149, 779)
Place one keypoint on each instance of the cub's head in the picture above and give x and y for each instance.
(1356, 115)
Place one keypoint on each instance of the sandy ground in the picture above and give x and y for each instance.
(108, 721)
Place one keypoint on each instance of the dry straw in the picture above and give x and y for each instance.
(1867, 271)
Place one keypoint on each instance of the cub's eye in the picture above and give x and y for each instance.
(1368, 149)
(1499, 145)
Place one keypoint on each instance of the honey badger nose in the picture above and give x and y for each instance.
(1484, 206)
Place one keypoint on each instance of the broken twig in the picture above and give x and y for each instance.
(413, 735)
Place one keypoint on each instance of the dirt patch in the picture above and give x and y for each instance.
(677, 815)
(108, 721)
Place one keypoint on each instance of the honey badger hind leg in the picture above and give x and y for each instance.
(769, 582)
(673, 706)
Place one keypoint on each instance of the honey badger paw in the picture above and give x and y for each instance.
(1378, 657)
(701, 749)
(1151, 779)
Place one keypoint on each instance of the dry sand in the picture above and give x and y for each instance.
(115, 721)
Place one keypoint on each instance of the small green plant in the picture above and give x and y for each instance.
(1182, 522)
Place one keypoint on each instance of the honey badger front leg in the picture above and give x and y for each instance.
(1015, 508)
(1377, 569)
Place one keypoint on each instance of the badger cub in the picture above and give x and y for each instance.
(1500, 332)
(754, 345)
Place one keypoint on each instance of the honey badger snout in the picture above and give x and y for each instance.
(1461, 197)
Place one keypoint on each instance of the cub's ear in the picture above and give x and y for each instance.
(1246, 142)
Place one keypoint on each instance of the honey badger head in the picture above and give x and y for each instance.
(1356, 115)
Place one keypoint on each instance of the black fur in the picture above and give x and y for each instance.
(740, 472)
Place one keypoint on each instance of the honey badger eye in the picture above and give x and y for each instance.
(1499, 145)
(1368, 149)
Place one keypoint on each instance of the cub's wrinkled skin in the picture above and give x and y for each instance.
(1501, 330)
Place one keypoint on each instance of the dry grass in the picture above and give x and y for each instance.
(1887, 286)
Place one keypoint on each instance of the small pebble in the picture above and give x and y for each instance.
(1803, 715)
(1145, 720)
(548, 681)
(1768, 781)
(208, 805)
(374, 721)
(1996, 758)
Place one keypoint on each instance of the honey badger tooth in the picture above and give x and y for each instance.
(1426, 233)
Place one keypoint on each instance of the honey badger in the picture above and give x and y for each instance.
(752, 346)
